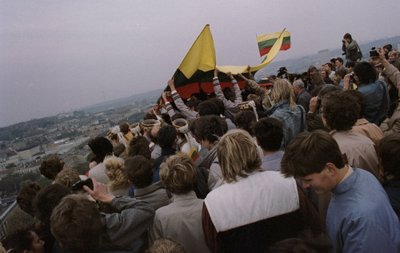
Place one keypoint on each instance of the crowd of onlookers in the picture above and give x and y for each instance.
(297, 163)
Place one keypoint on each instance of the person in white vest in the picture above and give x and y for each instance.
(254, 208)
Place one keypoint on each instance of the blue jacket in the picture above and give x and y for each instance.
(376, 100)
(293, 120)
(360, 217)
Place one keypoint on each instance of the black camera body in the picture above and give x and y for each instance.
(77, 186)
(373, 52)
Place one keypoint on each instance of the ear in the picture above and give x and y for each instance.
(332, 170)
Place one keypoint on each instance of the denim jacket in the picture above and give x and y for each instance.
(293, 120)
(376, 101)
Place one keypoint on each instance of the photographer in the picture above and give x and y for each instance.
(350, 48)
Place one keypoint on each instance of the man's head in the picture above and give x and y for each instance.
(51, 167)
(101, 147)
(338, 63)
(25, 197)
(139, 171)
(67, 177)
(298, 86)
(269, 134)
(393, 56)
(388, 152)
(23, 241)
(340, 110)
(315, 158)
(365, 73)
(139, 146)
(178, 174)
(237, 155)
(76, 224)
(245, 120)
(167, 136)
(209, 129)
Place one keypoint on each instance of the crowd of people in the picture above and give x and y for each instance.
(302, 163)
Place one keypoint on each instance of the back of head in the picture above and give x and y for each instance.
(67, 177)
(51, 167)
(119, 149)
(178, 174)
(25, 197)
(115, 172)
(359, 99)
(208, 108)
(139, 171)
(210, 128)
(139, 146)
(340, 110)
(388, 152)
(269, 133)
(365, 72)
(283, 91)
(299, 83)
(220, 105)
(76, 224)
(124, 128)
(19, 241)
(47, 199)
(164, 245)
(101, 147)
(167, 136)
(233, 165)
(309, 153)
(245, 120)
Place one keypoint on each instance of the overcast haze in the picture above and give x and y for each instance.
(61, 55)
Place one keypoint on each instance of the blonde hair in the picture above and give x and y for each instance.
(178, 174)
(115, 171)
(67, 177)
(237, 155)
(283, 91)
(166, 245)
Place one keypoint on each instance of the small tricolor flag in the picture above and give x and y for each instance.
(194, 154)
(266, 41)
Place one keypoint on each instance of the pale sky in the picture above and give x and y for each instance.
(56, 56)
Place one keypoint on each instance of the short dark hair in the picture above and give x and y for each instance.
(350, 64)
(166, 136)
(365, 72)
(19, 241)
(47, 199)
(245, 120)
(269, 133)
(220, 105)
(389, 150)
(101, 147)
(26, 196)
(139, 170)
(347, 36)
(124, 128)
(340, 110)
(139, 146)
(339, 59)
(309, 153)
(51, 166)
(207, 108)
(210, 128)
(359, 98)
(76, 224)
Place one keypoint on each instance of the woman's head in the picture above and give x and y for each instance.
(282, 91)
(237, 155)
(115, 172)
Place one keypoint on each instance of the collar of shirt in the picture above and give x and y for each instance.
(346, 183)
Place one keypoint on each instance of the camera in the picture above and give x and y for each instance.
(373, 52)
(77, 186)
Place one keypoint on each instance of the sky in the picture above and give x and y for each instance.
(61, 55)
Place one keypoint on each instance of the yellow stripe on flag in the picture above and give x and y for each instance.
(201, 56)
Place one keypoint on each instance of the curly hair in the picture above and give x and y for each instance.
(165, 245)
(76, 224)
(340, 110)
(236, 142)
(178, 174)
(210, 128)
(51, 167)
(25, 197)
(67, 177)
(115, 171)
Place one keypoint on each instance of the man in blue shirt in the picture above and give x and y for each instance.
(360, 217)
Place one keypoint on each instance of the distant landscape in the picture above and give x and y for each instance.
(296, 65)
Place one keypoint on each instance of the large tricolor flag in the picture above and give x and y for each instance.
(266, 41)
